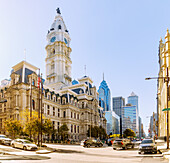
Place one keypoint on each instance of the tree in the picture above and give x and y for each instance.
(97, 132)
(128, 132)
(35, 127)
(63, 131)
(13, 127)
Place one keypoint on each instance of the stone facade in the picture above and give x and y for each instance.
(76, 105)
(164, 64)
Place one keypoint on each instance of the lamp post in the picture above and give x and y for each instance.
(166, 79)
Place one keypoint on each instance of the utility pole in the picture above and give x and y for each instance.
(167, 81)
(41, 107)
(154, 125)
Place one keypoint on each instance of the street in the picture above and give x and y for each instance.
(79, 154)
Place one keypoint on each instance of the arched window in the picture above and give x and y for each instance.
(59, 27)
(14, 81)
(53, 51)
(33, 104)
(82, 105)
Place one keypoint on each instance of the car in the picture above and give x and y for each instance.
(93, 142)
(5, 140)
(110, 141)
(148, 145)
(23, 144)
(82, 142)
(122, 143)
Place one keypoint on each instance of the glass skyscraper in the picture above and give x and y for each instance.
(104, 95)
(113, 120)
(129, 117)
(117, 104)
(133, 100)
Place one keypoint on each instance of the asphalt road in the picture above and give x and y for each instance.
(79, 154)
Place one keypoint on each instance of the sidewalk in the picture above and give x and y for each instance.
(8, 153)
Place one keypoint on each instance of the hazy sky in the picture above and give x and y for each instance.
(117, 37)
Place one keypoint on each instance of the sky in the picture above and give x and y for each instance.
(119, 38)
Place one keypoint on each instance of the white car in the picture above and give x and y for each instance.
(5, 140)
(23, 144)
(82, 142)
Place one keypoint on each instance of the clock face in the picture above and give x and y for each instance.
(53, 39)
(65, 40)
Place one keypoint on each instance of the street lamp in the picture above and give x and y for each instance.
(166, 79)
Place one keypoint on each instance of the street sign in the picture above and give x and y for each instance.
(166, 109)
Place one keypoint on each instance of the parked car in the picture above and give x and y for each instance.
(110, 141)
(122, 143)
(148, 145)
(93, 142)
(5, 140)
(82, 142)
(23, 144)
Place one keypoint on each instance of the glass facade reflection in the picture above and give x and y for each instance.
(129, 117)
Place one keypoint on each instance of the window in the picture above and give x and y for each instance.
(58, 112)
(53, 111)
(53, 51)
(64, 114)
(59, 100)
(71, 114)
(48, 110)
(58, 126)
(71, 128)
(33, 82)
(33, 104)
(78, 129)
(75, 128)
(48, 97)
(82, 104)
(59, 27)
(75, 115)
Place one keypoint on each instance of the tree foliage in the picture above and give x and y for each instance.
(13, 127)
(63, 131)
(35, 127)
(128, 132)
(97, 132)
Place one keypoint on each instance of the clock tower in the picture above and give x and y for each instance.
(58, 61)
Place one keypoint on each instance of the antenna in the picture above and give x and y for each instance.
(103, 75)
(25, 54)
(85, 69)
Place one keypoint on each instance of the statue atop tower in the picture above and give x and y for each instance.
(58, 61)
(58, 11)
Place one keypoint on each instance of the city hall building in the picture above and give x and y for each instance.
(74, 103)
